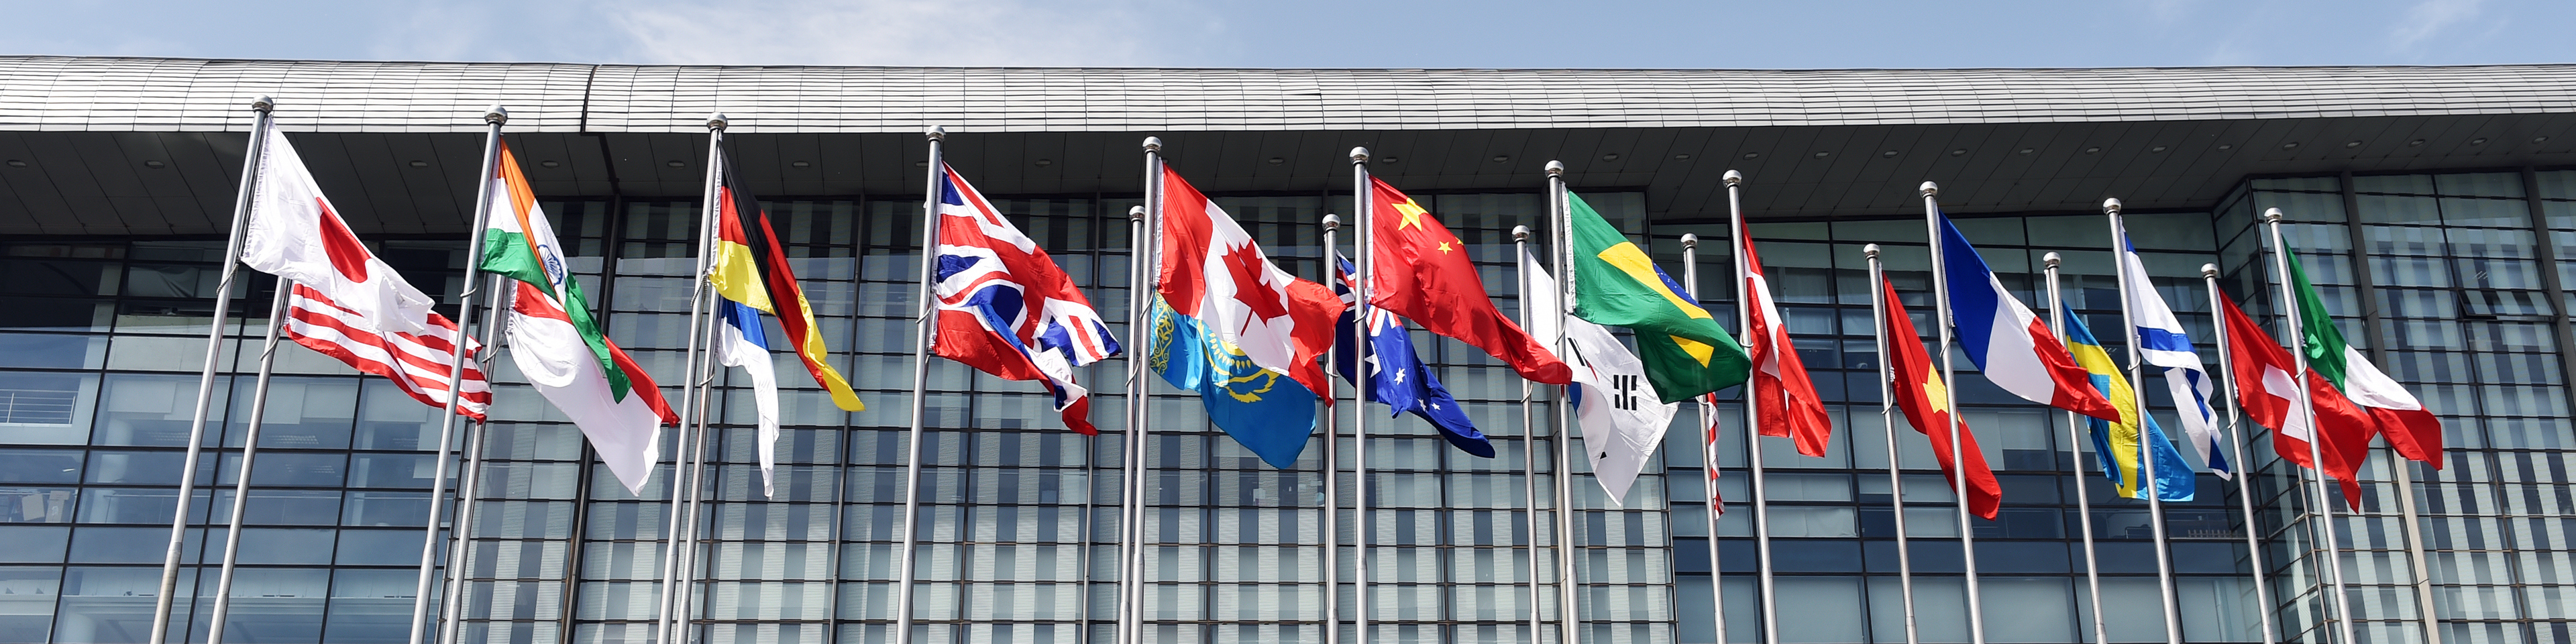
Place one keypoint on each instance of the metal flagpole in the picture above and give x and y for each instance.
(1148, 220)
(1363, 209)
(260, 122)
(1570, 622)
(704, 440)
(700, 292)
(924, 323)
(250, 453)
(469, 479)
(462, 556)
(1752, 415)
(1887, 418)
(1529, 451)
(2146, 452)
(2074, 442)
(1708, 425)
(2289, 304)
(1332, 464)
(2236, 454)
(1950, 403)
(492, 120)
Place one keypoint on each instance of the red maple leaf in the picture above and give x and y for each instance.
(1251, 285)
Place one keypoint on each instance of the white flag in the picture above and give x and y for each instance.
(1618, 410)
(742, 343)
(2162, 342)
(294, 233)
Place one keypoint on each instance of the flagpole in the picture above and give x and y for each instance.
(1708, 439)
(684, 609)
(2074, 442)
(2146, 451)
(1132, 442)
(2236, 454)
(468, 477)
(463, 535)
(2289, 304)
(1332, 458)
(699, 290)
(1950, 403)
(1752, 415)
(1887, 417)
(1529, 457)
(261, 121)
(1147, 266)
(250, 453)
(1570, 623)
(1363, 208)
(924, 318)
(455, 372)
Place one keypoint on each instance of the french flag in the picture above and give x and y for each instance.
(2007, 341)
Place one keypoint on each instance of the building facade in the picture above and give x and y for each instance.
(2433, 206)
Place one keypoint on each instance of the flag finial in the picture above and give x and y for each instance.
(262, 103)
(1359, 155)
(1135, 213)
(936, 133)
(2049, 260)
(717, 121)
(497, 115)
(1930, 188)
(1870, 251)
(1690, 240)
(1734, 178)
(1520, 234)
(1153, 144)
(1555, 168)
(2111, 206)
(2209, 270)
(2271, 215)
(1332, 222)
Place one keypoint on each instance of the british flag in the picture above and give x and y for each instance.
(1006, 309)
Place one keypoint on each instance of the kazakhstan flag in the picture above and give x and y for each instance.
(2117, 446)
(1266, 411)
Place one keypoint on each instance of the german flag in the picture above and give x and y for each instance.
(751, 269)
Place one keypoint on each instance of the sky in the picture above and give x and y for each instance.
(1814, 34)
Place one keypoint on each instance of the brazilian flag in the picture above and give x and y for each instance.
(1686, 353)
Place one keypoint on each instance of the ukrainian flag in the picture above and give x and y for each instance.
(2117, 446)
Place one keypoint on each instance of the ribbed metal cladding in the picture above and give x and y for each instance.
(176, 94)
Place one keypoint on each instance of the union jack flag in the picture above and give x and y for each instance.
(1006, 309)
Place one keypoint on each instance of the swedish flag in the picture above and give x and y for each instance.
(2117, 445)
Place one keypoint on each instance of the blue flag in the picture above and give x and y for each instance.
(1266, 411)
(1397, 375)
(2117, 445)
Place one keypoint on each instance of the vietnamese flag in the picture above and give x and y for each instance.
(1422, 272)
(1926, 402)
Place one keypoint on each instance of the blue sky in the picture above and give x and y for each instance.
(1319, 33)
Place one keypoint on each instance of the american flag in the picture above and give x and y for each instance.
(418, 364)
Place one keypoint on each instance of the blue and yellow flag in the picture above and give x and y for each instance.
(1266, 411)
(2117, 445)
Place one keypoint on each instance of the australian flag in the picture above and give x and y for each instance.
(1397, 375)
(1006, 309)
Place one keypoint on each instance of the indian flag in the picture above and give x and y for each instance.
(2411, 429)
(557, 344)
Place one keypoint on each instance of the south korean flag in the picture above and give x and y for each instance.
(1618, 411)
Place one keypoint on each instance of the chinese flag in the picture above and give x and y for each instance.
(1926, 402)
(1422, 272)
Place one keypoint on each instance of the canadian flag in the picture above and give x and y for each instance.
(294, 233)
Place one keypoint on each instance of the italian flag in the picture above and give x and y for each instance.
(554, 340)
(2411, 429)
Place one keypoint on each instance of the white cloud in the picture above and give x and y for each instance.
(2430, 18)
(901, 32)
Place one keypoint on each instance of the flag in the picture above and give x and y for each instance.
(1784, 400)
(2007, 341)
(2271, 398)
(558, 345)
(1006, 309)
(417, 363)
(751, 267)
(1234, 328)
(1397, 376)
(2411, 429)
(1708, 429)
(2116, 445)
(1615, 401)
(1422, 272)
(1685, 352)
(740, 342)
(294, 233)
(1925, 399)
(1212, 271)
(2163, 343)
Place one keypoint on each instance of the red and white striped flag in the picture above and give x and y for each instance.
(418, 364)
